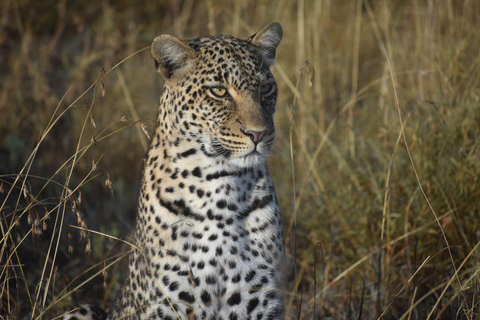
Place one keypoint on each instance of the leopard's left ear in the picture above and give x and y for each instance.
(172, 56)
(268, 39)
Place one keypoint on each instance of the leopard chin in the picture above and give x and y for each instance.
(249, 161)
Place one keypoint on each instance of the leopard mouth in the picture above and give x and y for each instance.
(218, 147)
(253, 153)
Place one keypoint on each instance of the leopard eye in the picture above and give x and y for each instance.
(266, 89)
(218, 92)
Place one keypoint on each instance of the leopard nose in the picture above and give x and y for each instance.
(255, 136)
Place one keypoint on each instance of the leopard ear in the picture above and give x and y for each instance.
(172, 56)
(268, 39)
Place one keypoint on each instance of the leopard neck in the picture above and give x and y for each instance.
(178, 170)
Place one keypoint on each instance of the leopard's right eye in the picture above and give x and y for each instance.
(218, 92)
(266, 89)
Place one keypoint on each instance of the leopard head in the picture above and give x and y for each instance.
(219, 91)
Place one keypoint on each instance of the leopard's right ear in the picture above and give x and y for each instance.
(267, 40)
(172, 56)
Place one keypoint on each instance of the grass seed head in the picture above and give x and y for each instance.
(25, 191)
(31, 217)
(108, 182)
(88, 247)
(104, 274)
(92, 121)
(36, 227)
(145, 129)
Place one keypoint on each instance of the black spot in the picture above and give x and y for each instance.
(205, 297)
(234, 299)
(257, 204)
(250, 275)
(168, 205)
(188, 153)
(160, 313)
(221, 204)
(236, 278)
(197, 235)
(210, 215)
(197, 172)
(211, 280)
(219, 174)
(270, 295)
(183, 273)
(175, 174)
(232, 207)
(201, 264)
(185, 296)
(173, 286)
(172, 253)
(273, 314)
(252, 304)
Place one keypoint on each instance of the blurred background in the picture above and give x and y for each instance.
(376, 164)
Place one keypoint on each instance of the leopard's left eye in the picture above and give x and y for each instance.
(218, 92)
(266, 89)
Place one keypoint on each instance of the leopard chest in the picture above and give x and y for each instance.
(215, 222)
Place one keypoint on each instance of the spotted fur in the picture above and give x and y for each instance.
(208, 240)
(85, 312)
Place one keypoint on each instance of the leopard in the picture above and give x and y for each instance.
(208, 242)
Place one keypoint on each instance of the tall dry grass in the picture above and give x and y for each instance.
(376, 165)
